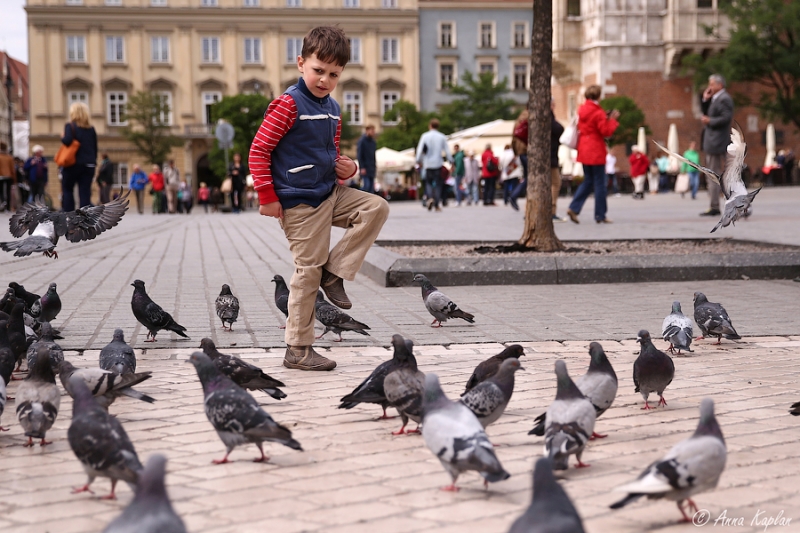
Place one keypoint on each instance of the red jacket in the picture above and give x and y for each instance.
(639, 164)
(157, 181)
(485, 157)
(594, 127)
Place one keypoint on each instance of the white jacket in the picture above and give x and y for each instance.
(508, 160)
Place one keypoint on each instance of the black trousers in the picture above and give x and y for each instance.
(82, 176)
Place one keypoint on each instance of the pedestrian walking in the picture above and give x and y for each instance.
(472, 178)
(105, 178)
(458, 174)
(490, 171)
(137, 184)
(156, 179)
(611, 173)
(717, 107)
(432, 150)
(8, 177)
(35, 169)
(639, 166)
(694, 176)
(510, 174)
(82, 172)
(238, 173)
(184, 197)
(653, 176)
(203, 196)
(172, 184)
(662, 162)
(365, 153)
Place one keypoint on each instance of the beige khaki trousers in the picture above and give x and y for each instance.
(308, 231)
(638, 184)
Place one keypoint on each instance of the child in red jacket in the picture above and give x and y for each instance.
(639, 164)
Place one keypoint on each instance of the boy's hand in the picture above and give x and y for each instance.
(272, 209)
(345, 167)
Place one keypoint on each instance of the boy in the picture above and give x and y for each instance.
(295, 164)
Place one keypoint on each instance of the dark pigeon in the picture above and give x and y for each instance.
(712, 319)
(677, 330)
(489, 367)
(28, 298)
(490, 398)
(281, 296)
(56, 352)
(653, 370)
(336, 320)
(3, 400)
(795, 409)
(105, 386)
(569, 422)
(404, 386)
(47, 307)
(440, 306)
(8, 300)
(150, 314)
(8, 360)
(150, 511)
(117, 356)
(17, 338)
(38, 399)
(242, 373)
(551, 510)
(227, 306)
(235, 414)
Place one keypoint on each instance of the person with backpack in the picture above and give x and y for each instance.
(432, 145)
(490, 171)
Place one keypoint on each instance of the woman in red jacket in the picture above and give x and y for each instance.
(594, 127)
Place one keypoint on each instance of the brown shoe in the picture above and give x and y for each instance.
(305, 358)
(573, 216)
(333, 286)
(604, 221)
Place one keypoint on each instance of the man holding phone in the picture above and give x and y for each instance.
(717, 107)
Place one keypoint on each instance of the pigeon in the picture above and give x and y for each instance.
(33, 328)
(569, 422)
(8, 300)
(99, 442)
(244, 374)
(150, 511)
(677, 330)
(28, 298)
(55, 351)
(46, 308)
(281, 296)
(3, 399)
(227, 306)
(105, 386)
(440, 306)
(737, 199)
(44, 226)
(150, 314)
(404, 386)
(599, 385)
(336, 320)
(712, 319)
(38, 399)
(795, 410)
(488, 368)
(8, 360)
(117, 356)
(454, 435)
(653, 370)
(489, 399)
(692, 466)
(371, 390)
(235, 414)
(17, 339)
(551, 510)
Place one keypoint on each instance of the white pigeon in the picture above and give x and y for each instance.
(569, 422)
(677, 330)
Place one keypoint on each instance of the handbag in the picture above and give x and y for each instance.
(65, 157)
(227, 185)
(571, 134)
(682, 182)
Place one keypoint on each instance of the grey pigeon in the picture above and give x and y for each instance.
(371, 390)
(336, 320)
(28, 298)
(489, 399)
(281, 296)
(99, 442)
(653, 370)
(46, 308)
(692, 466)
(8, 360)
(599, 385)
(38, 399)
(3, 400)
(677, 330)
(489, 367)
(117, 356)
(56, 353)
(456, 437)
(150, 511)
(242, 373)
(235, 414)
(712, 319)
(151, 315)
(569, 422)
(44, 226)
(440, 306)
(34, 328)
(551, 510)
(403, 387)
(227, 306)
(105, 386)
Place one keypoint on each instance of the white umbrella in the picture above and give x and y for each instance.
(388, 160)
(641, 141)
(672, 144)
(770, 160)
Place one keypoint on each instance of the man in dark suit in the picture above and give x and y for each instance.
(717, 107)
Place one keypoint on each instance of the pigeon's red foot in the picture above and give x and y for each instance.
(450, 488)
(4, 429)
(671, 348)
(596, 435)
(662, 401)
(262, 459)
(719, 341)
(221, 461)
(581, 464)
(45, 442)
(699, 338)
(384, 416)
(85, 488)
(339, 339)
(413, 431)
(111, 496)
(282, 327)
(400, 431)
(29, 444)
(437, 322)
(15, 378)
(150, 340)
(646, 406)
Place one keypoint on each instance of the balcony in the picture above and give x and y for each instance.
(198, 131)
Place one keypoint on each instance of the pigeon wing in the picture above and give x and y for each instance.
(27, 218)
(731, 183)
(88, 222)
(484, 399)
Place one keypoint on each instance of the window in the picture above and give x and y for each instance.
(447, 75)
(74, 2)
(702, 4)
(485, 67)
(113, 2)
(353, 107)
(165, 99)
(447, 35)
(390, 51)
(351, 3)
(294, 47)
(252, 50)
(388, 99)
(250, 3)
(293, 3)
(158, 3)
(116, 102)
(389, 4)
(77, 96)
(120, 175)
(76, 49)
(210, 49)
(574, 8)
(355, 49)
(519, 35)
(209, 99)
(159, 49)
(520, 76)
(114, 50)
(486, 34)
(208, 3)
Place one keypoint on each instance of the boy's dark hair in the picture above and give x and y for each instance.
(329, 43)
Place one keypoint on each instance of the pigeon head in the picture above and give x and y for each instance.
(151, 480)
(42, 370)
(566, 388)
(209, 376)
(599, 362)
(46, 331)
(225, 290)
(422, 280)
(708, 425)
(138, 285)
(676, 307)
(208, 346)
(51, 289)
(65, 368)
(515, 350)
(699, 298)
(643, 337)
(18, 289)
(119, 335)
(404, 351)
(509, 366)
(433, 395)
(278, 280)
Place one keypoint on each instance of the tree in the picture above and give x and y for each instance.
(411, 124)
(480, 100)
(245, 112)
(631, 118)
(349, 133)
(148, 129)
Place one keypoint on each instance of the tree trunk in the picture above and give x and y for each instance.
(539, 232)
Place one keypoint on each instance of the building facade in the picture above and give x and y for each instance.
(17, 111)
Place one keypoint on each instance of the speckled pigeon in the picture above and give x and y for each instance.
(712, 319)
(227, 307)
(117, 356)
(281, 296)
(404, 386)
(28, 298)
(692, 466)
(8, 360)
(46, 308)
(56, 352)
(551, 510)
(151, 315)
(38, 399)
(677, 330)
(235, 414)
(456, 437)
(336, 320)
(489, 367)
(653, 370)
(244, 374)
(440, 306)
(489, 399)
(105, 386)
(569, 422)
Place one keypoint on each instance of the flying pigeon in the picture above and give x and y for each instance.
(28, 298)
(44, 226)
(489, 399)
(3, 399)
(336, 320)
(150, 314)
(454, 435)
(653, 370)
(38, 399)
(235, 414)
(46, 308)
(712, 319)
(440, 306)
(692, 466)
(281, 296)
(227, 306)
(551, 510)
(737, 199)
(55, 351)
(242, 373)
(569, 422)
(117, 356)
(403, 387)
(105, 386)
(99, 442)
(489, 367)
(599, 385)
(677, 330)
(8, 359)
